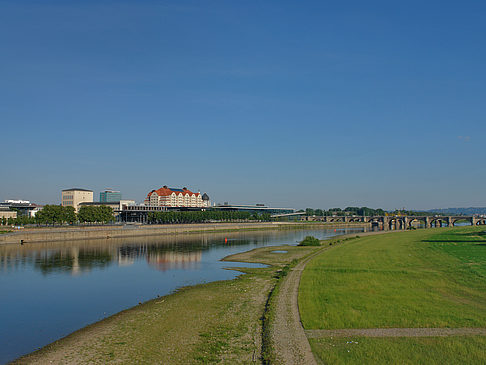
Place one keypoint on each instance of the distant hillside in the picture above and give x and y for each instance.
(459, 211)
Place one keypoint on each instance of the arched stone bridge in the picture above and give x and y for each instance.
(405, 222)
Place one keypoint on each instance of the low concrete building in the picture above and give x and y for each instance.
(117, 206)
(257, 208)
(7, 213)
(23, 207)
(113, 205)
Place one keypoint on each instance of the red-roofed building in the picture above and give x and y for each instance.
(172, 197)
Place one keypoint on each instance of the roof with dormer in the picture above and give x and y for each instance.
(166, 191)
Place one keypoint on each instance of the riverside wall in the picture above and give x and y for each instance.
(102, 232)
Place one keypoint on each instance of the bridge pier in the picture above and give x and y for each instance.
(450, 222)
(386, 223)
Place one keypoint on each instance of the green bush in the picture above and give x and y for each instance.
(310, 241)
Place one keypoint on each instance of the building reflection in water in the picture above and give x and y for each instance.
(163, 253)
(77, 257)
(164, 261)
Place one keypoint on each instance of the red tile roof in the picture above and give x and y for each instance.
(168, 191)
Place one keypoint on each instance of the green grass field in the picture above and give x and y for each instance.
(401, 350)
(423, 278)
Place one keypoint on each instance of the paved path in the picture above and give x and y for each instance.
(396, 332)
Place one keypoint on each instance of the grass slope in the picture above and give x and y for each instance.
(423, 278)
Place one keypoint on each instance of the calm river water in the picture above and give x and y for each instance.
(52, 289)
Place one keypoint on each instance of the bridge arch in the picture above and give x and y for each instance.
(374, 220)
(459, 219)
(438, 221)
(413, 219)
(396, 223)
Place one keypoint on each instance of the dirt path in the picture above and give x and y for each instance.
(288, 336)
(396, 332)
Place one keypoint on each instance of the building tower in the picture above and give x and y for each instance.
(206, 200)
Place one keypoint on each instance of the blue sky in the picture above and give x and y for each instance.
(300, 104)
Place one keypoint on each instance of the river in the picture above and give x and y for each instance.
(52, 289)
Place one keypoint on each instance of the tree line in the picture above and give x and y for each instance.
(57, 214)
(363, 211)
(204, 217)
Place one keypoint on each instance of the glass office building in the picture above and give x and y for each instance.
(110, 196)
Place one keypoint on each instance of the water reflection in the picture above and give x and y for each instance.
(164, 261)
(163, 253)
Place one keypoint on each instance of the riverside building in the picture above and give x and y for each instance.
(110, 196)
(22, 207)
(7, 213)
(175, 197)
(73, 197)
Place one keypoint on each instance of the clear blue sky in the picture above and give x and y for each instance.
(290, 103)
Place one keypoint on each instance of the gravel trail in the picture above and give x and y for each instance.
(288, 336)
(396, 332)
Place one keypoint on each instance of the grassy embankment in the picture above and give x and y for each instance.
(219, 322)
(424, 278)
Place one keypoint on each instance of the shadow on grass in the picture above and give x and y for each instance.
(466, 237)
(453, 241)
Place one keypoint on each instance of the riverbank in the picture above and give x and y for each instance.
(47, 234)
(209, 323)
(217, 322)
(241, 321)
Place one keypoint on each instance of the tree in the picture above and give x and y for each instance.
(95, 214)
(50, 214)
(68, 215)
(309, 211)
